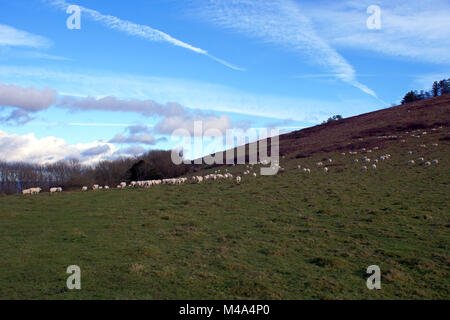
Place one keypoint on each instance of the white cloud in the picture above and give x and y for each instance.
(29, 148)
(139, 139)
(29, 99)
(281, 22)
(10, 36)
(141, 31)
(169, 124)
(417, 30)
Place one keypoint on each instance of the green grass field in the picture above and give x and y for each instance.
(289, 236)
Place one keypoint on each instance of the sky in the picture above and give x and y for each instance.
(136, 71)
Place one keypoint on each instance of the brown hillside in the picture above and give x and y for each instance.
(366, 130)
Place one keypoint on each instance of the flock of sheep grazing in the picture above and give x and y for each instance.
(217, 175)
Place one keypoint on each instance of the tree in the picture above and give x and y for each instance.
(444, 86)
(411, 96)
(435, 89)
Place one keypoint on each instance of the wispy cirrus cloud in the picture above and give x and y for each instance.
(415, 30)
(141, 31)
(283, 23)
(10, 36)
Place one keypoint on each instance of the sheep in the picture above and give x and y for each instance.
(420, 159)
(325, 169)
(319, 164)
(299, 166)
(411, 162)
(238, 179)
(434, 144)
(356, 160)
(367, 160)
(84, 188)
(254, 174)
(427, 164)
(119, 186)
(373, 166)
(26, 191)
(409, 153)
(364, 168)
(53, 190)
(306, 170)
(106, 187)
(330, 160)
(95, 187)
(123, 184)
(435, 161)
(342, 153)
(35, 190)
(100, 188)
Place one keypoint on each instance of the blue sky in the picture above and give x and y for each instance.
(232, 64)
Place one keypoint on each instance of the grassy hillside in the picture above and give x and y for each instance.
(289, 236)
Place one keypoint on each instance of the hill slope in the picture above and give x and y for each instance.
(289, 236)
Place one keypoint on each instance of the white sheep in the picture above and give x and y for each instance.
(238, 179)
(84, 188)
(427, 164)
(364, 168)
(325, 169)
(373, 166)
(411, 162)
(435, 161)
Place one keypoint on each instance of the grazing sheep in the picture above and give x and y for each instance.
(299, 166)
(254, 174)
(420, 159)
(434, 144)
(53, 190)
(238, 179)
(411, 162)
(84, 188)
(356, 160)
(364, 168)
(435, 161)
(325, 169)
(373, 166)
(319, 164)
(330, 160)
(35, 190)
(95, 187)
(107, 187)
(306, 170)
(409, 153)
(427, 164)
(26, 191)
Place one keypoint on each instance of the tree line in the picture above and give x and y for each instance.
(71, 175)
(438, 88)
